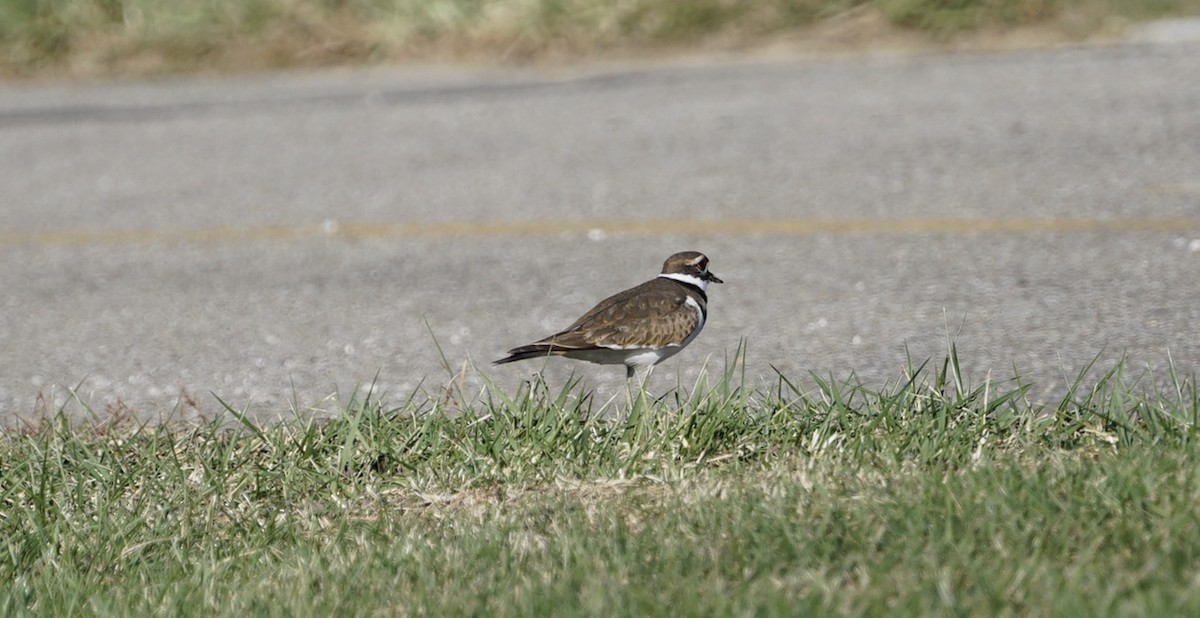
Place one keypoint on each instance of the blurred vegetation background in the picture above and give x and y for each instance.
(120, 37)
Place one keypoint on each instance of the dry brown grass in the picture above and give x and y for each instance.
(142, 37)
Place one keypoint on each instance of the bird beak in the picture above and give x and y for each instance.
(713, 278)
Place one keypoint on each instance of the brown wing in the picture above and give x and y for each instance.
(653, 314)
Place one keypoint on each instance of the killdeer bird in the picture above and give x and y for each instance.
(639, 327)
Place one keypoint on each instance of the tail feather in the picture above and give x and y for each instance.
(534, 350)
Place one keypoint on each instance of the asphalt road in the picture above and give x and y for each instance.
(281, 240)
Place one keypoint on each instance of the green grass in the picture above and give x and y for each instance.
(108, 37)
(931, 496)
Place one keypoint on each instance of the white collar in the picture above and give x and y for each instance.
(688, 279)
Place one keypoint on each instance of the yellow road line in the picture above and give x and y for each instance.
(1183, 188)
(459, 229)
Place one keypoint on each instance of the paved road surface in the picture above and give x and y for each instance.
(278, 239)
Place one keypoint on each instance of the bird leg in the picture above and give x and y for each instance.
(630, 374)
(628, 390)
